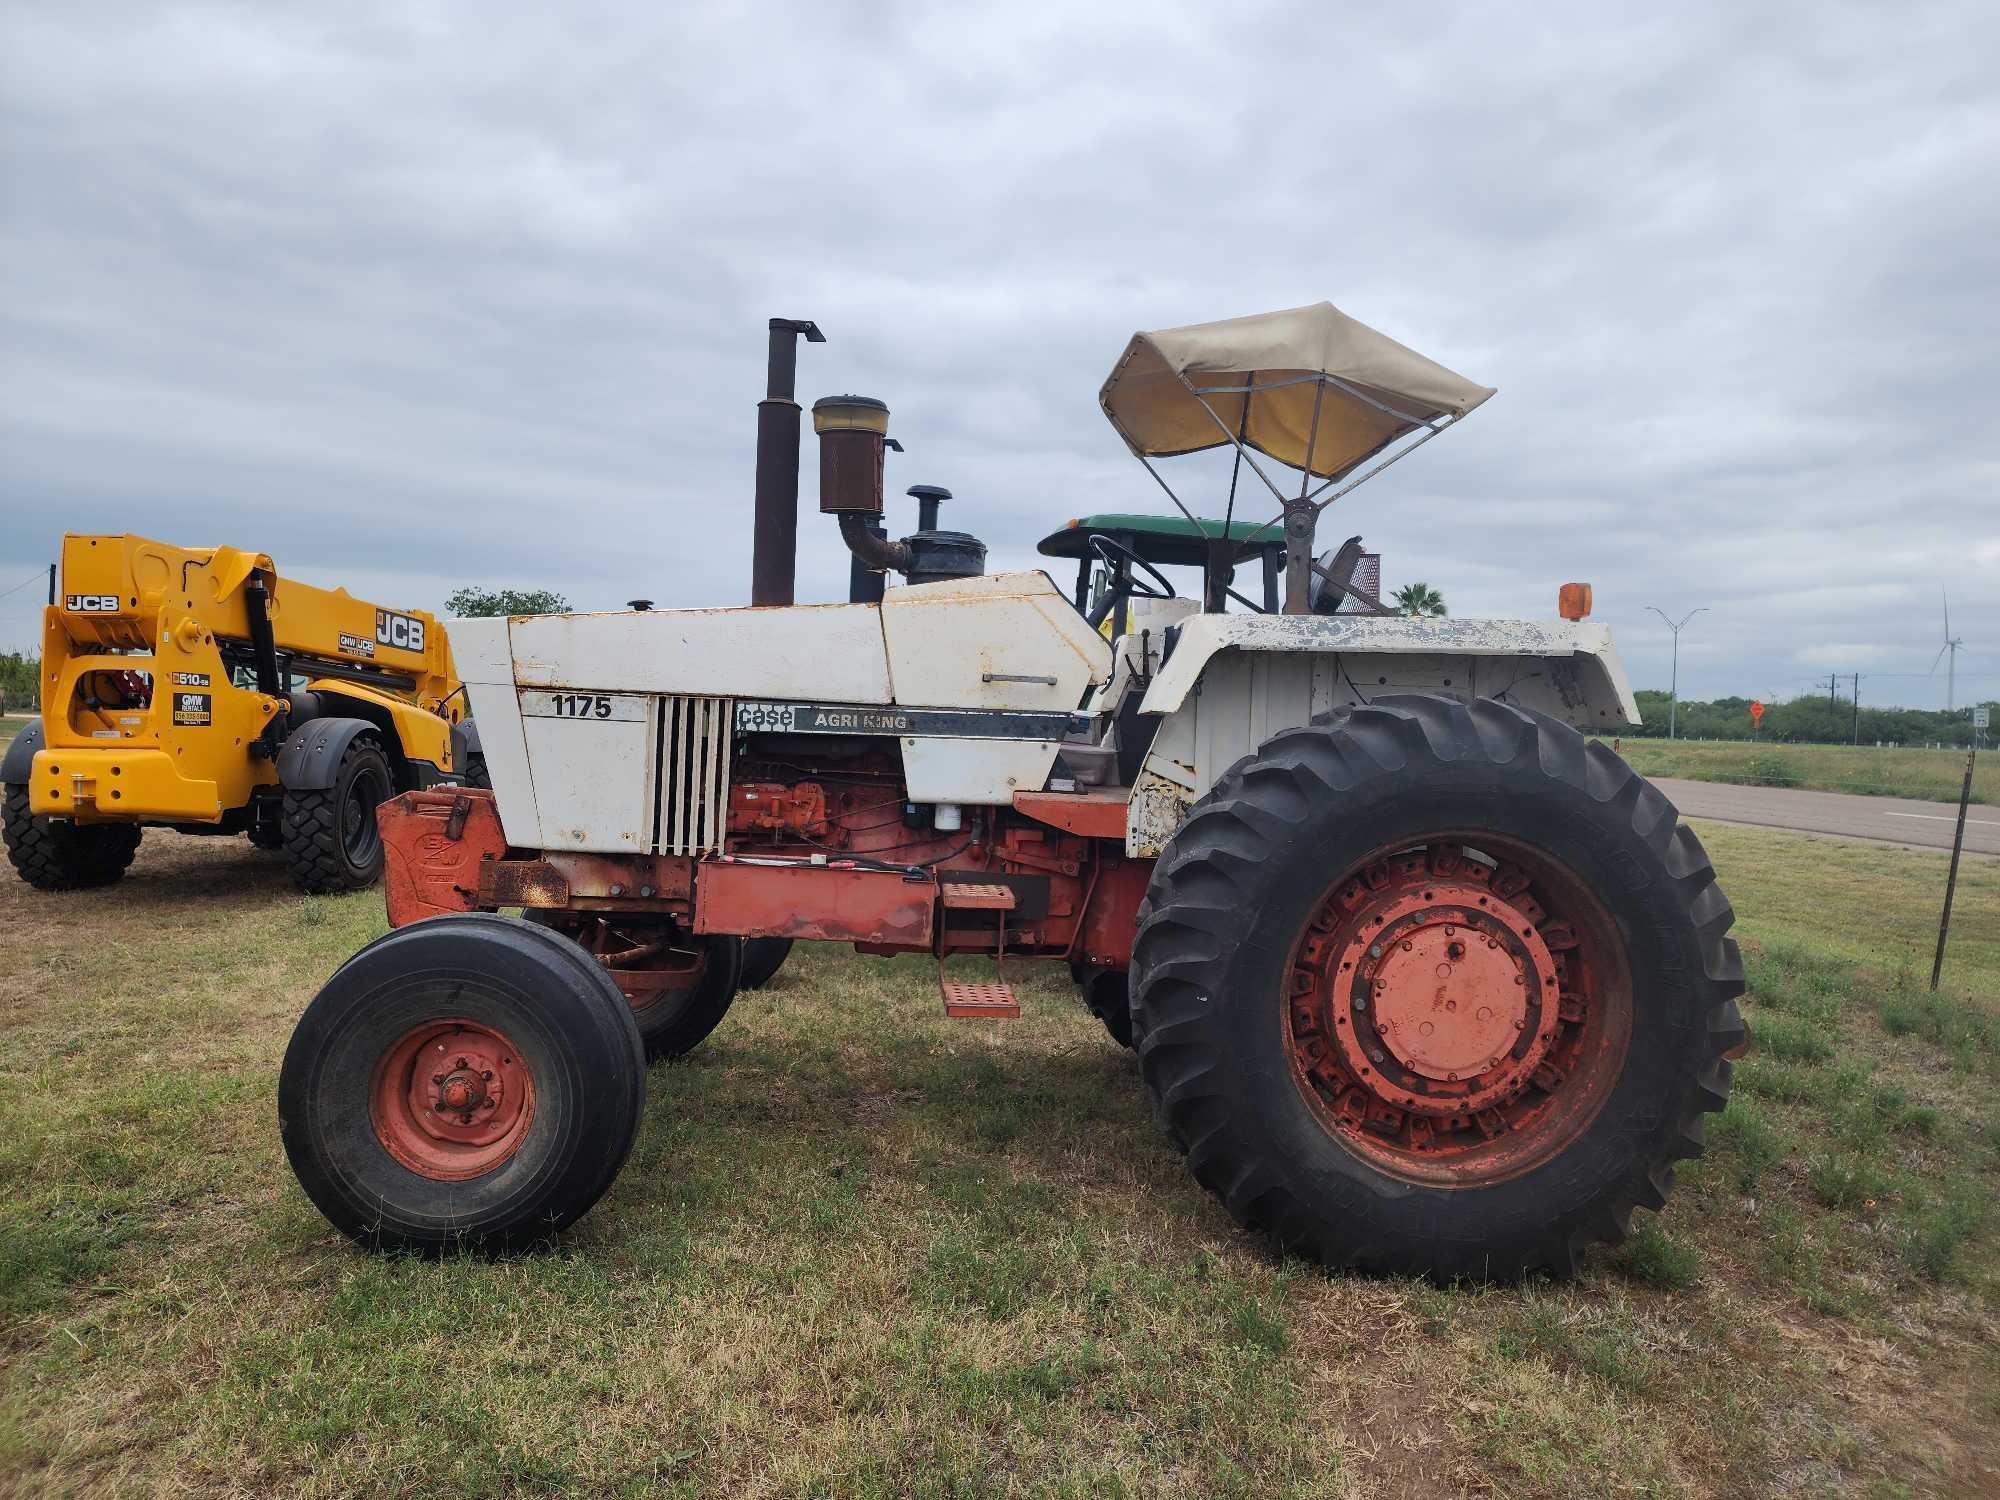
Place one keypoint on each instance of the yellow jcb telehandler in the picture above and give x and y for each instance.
(196, 689)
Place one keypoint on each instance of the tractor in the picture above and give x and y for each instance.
(1419, 977)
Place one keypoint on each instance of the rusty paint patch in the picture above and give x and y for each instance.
(522, 882)
(1157, 810)
(646, 877)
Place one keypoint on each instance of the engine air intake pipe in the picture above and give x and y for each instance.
(853, 433)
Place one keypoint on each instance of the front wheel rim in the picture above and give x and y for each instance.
(451, 1099)
(1457, 1010)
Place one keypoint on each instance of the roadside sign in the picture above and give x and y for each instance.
(1981, 717)
(1756, 711)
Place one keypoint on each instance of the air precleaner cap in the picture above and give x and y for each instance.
(850, 414)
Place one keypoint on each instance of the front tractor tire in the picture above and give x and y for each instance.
(331, 840)
(54, 856)
(466, 1081)
(1437, 988)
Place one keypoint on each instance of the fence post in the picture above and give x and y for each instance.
(1951, 880)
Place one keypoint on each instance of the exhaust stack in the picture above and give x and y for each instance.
(775, 539)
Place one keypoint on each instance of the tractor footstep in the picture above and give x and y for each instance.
(965, 999)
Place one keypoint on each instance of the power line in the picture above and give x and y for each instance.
(34, 577)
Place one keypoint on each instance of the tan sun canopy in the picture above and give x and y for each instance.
(1370, 389)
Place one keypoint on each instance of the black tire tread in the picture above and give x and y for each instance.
(54, 856)
(607, 1019)
(311, 830)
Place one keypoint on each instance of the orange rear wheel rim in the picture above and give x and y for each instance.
(1457, 1011)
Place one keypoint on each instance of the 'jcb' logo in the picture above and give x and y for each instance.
(400, 631)
(91, 604)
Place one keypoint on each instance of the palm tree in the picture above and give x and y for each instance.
(1418, 599)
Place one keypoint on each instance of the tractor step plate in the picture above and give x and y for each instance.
(967, 1000)
(969, 896)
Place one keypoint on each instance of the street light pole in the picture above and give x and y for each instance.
(1674, 692)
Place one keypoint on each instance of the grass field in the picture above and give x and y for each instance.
(10, 725)
(861, 1250)
(1930, 775)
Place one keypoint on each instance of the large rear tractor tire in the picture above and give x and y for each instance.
(53, 856)
(464, 1081)
(331, 840)
(679, 986)
(1437, 988)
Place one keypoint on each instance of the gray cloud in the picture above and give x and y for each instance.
(417, 296)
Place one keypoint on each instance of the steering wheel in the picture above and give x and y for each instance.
(1109, 552)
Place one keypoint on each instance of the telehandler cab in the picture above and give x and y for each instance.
(1419, 978)
(196, 689)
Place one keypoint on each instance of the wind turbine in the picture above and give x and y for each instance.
(1954, 645)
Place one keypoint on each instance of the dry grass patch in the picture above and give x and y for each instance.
(861, 1250)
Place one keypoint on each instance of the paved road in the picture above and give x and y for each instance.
(1890, 819)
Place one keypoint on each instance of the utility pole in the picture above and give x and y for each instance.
(1832, 681)
(1674, 692)
(1857, 708)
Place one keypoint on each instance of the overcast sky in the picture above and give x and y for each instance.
(415, 295)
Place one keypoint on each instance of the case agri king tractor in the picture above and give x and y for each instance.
(198, 690)
(1419, 978)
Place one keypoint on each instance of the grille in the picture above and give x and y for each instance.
(1368, 576)
(691, 804)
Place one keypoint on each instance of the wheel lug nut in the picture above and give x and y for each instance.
(487, 1075)
(437, 1078)
(1408, 945)
(461, 1062)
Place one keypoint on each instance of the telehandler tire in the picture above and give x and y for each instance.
(53, 856)
(469, 1080)
(1437, 988)
(331, 840)
(682, 985)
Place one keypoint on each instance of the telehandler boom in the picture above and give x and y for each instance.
(197, 689)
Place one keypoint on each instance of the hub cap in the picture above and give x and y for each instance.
(1447, 1017)
(451, 1099)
